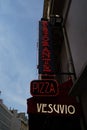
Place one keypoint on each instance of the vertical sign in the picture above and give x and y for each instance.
(46, 54)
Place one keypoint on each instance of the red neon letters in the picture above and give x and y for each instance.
(45, 44)
(44, 88)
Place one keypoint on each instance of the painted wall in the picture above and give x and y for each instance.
(76, 26)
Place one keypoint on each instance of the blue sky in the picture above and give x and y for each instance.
(18, 49)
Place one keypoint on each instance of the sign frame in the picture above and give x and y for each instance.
(51, 106)
(44, 87)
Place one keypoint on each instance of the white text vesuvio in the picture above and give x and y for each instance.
(55, 108)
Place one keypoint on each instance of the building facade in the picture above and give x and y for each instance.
(5, 117)
(11, 119)
(73, 55)
(76, 29)
(19, 120)
(24, 121)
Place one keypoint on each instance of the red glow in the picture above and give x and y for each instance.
(46, 54)
(44, 88)
(46, 66)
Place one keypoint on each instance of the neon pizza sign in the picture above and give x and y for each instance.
(44, 88)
